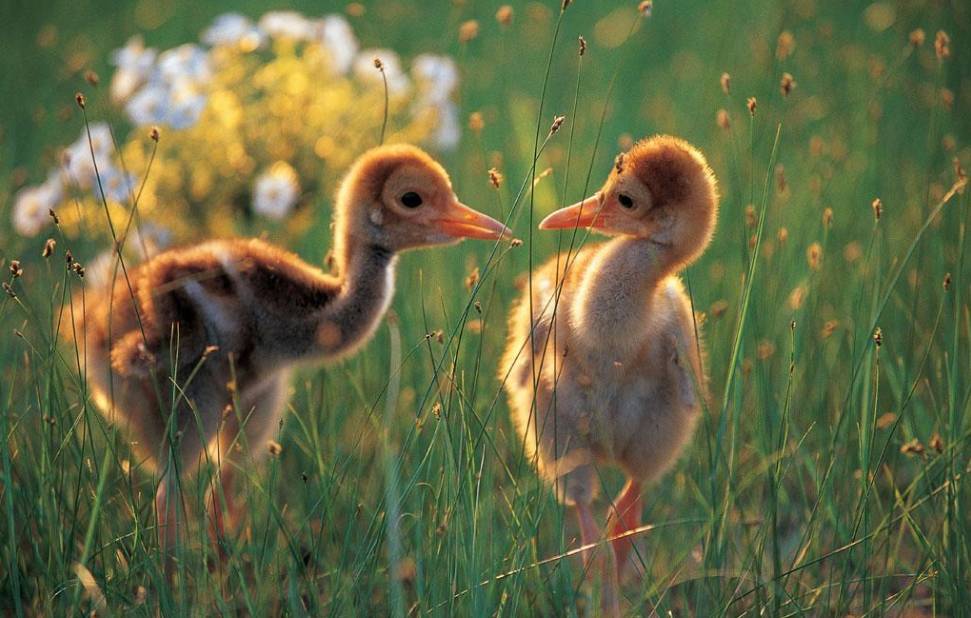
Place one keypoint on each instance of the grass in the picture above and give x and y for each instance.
(829, 475)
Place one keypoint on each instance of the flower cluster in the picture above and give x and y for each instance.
(256, 120)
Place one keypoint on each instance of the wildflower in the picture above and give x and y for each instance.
(187, 62)
(149, 105)
(363, 68)
(814, 255)
(504, 15)
(646, 7)
(495, 177)
(186, 105)
(751, 104)
(726, 82)
(16, 270)
(234, 30)
(785, 44)
(723, 120)
(286, 25)
(276, 191)
(49, 248)
(476, 124)
(942, 45)
(32, 204)
(135, 64)
(917, 37)
(468, 31)
(787, 84)
(436, 77)
(337, 38)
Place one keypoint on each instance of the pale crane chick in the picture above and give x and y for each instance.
(607, 369)
(194, 356)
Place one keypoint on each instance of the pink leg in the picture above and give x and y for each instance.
(220, 494)
(589, 534)
(624, 517)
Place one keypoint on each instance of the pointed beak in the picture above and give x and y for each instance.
(460, 221)
(587, 213)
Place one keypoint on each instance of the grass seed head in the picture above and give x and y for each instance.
(814, 256)
(476, 123)
(8, 290)
(784, 45)
(49, 247)
(468, 31)
(723, 120)
(726, 82)
(16, 270)
(751, 220)
(942, 45)
(937, 443)
(504, 15)
(914, 448)
(782, 236)
(827, 217)
(787, 84)
(54, 217)
(583, 45)
(495, 177)
(154, 134)
(917, 37)
(877, 206)
(472, 278)
(878, 336)
(92, 78)
(646, 7)
(557, 123)
(751, 104)
(947, 282)
(79, 99)
(565, 4)
(69, 258)
(378, 64)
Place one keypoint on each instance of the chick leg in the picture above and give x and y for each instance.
(590, 534)
(624, 517)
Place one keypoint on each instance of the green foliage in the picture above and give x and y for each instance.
(829, 474)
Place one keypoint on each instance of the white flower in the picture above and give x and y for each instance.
(117, 186)
(135, 64)
(398, 82)
(436, 77)
(186, 105)
(149, 105)
(78, 161)
(234, 30)
(287, 25)
(276, 191)
(448, 131)
(185, 62)
(33, 204)
(337, 38)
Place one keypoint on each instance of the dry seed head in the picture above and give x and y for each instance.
(645, 8)
(947, 98)
(154, 134)
(472, 279)
(355, 9)
(782, 236)
(878, 336)
(468, 31)
(619, 163)
(515, 242)
(495, 177)
(92, 78)
(828, 329)
(751, 242)
(937, 443)
(69, 257)
(378, 64)
(765, 350)
(917, 37)
(48, 248)
(583, 44)
(914, 447)
(726, 82)
(504, 15)
(625, 142)
(274, 448)
(557, 123)
(877, 206)
(780, 178)
(959, 173)
(16, 270)
(79, 99)
(750, 219)
(54, 217)
(723, 120)
(718, 308)
(886, 420)
(476, 123)
(814, 256)
(947, 281)
(78, 269)
(942, 45)
(9, 290)
(827, 217)
(787, 84)
(751, 104)
(784, 45)
(565, 4)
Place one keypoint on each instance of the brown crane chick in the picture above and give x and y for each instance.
(191, 353)
(607, 368)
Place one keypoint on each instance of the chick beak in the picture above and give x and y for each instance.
(460, 221)
(586, 213)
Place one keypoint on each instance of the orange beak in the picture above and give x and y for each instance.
(461, 221)
(586, 213)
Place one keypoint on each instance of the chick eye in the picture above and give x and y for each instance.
(411, 200)
(625, 201)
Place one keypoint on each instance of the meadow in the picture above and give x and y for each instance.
(829, 474)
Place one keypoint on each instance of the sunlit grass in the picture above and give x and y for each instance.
(829, 474)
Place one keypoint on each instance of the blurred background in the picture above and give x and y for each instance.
(876, 106)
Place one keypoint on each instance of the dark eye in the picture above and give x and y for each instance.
(411, 200)
(625, 201)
